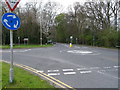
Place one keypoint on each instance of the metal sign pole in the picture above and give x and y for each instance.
(12, 22)
(11, 57)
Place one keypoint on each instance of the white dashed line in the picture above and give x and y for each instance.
(116, 66)
(102, 70)
(66, 73)
(15, 50)
(40, 71)
(108, 75)
(85, 72)
(81, 68)
(53, 70)
(107, 67)
(53, 74)
(67, 69)
(94, 67)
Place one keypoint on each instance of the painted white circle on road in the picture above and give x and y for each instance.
(80, 51)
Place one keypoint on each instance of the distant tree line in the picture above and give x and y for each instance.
(94, 23)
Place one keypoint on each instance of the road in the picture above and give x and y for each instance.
(79, 66)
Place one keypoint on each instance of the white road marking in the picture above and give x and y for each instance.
(102, 70)
(15, 50)
(40, 71)
(80, 51)
(60, 51)
(84, 47)
(81, 68)
(108, 75)
(53, 74)
(94, 67)
(85, 72)
(116, 66)
(67, 69)
(66, 73)
(53, 70)
(77, 47)
(96, 54)
(107, 67)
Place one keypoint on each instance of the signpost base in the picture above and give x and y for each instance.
(11, 75)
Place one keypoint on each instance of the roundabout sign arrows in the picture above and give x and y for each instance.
(11, 21)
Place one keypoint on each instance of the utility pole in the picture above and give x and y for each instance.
(40, 34)
(40, 29)
(18, 40)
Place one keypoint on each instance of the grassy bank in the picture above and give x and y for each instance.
(25, 46)
(22, 79)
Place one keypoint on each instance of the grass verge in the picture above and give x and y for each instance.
(22, 79)
(25, 46)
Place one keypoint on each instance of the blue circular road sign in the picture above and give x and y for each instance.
(11, 21)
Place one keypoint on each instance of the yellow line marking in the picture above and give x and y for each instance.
(51, 77)
(35, 71)
(43, 76)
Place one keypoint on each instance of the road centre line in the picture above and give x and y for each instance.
(66, 73)
(67, 69)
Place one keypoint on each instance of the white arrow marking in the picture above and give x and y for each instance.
(15, 26)
(9, 15)
(6, 21)
(14, 16)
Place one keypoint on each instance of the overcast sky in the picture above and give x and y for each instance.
(64, 3)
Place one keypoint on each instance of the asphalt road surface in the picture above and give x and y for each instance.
(79, 66)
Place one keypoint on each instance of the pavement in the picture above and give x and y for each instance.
(78, 66)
